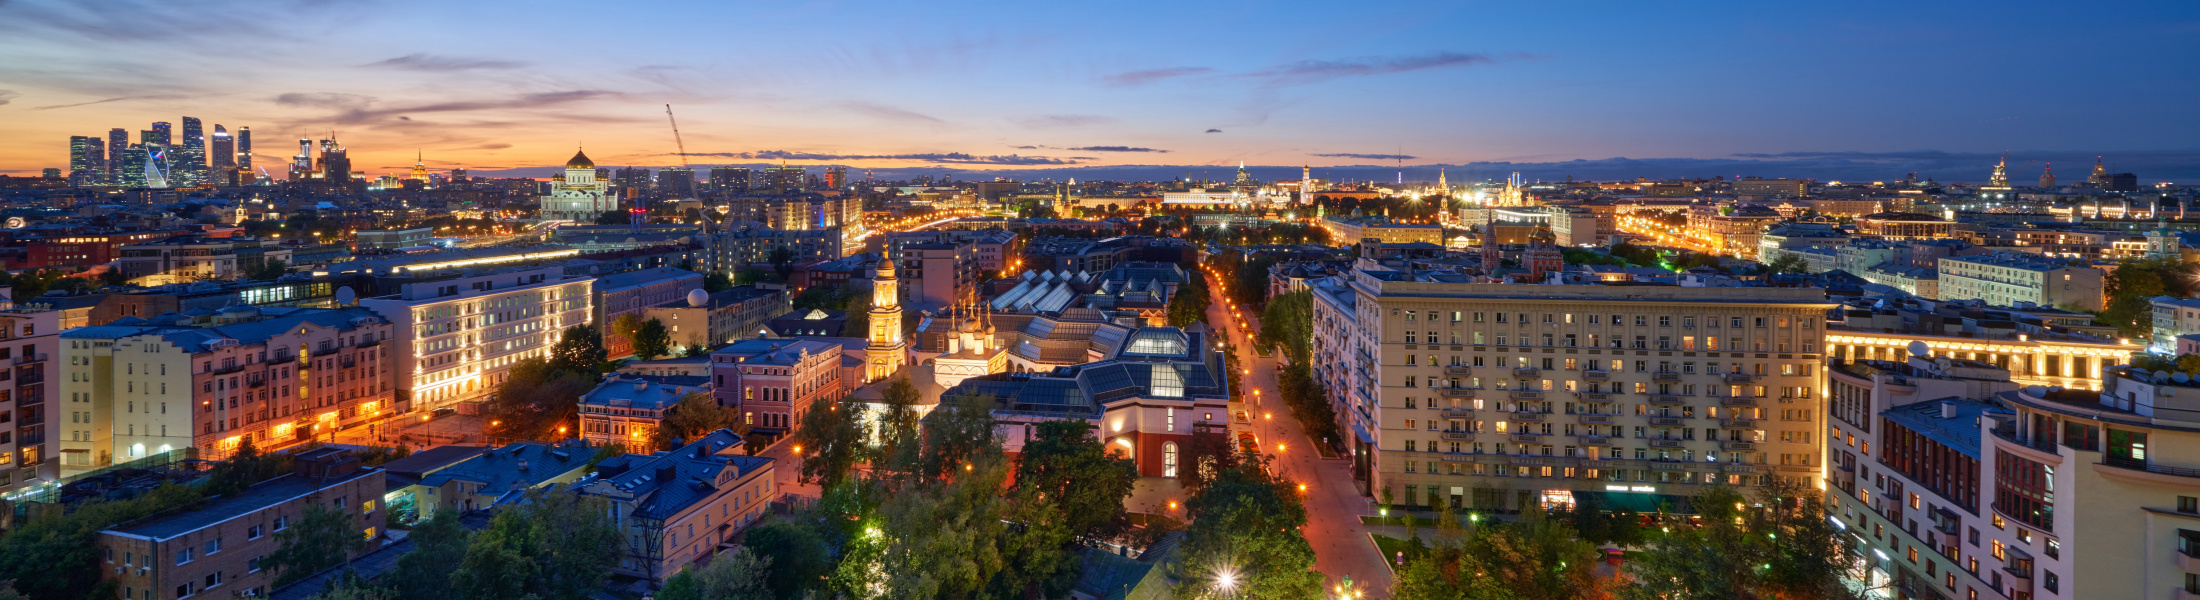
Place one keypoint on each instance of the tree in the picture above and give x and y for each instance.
(268, 269)
(1744, 551)
(931, 540)
(555, 545)
(1788, 262)
(1288, 321)
(896, 427)
(439, 547)
(113, 276)
(2132, 286)
(798, 556)
(717, 281)
(1539, 558)
(243, 469)
(1205, 456)
(349, 586)
(1448, 573)
(1247, 522)
(626, 326)
(323, 537)
(782, 260)
(579, 350)
(535, 398)
(652, 340)
(740, 575)
(695, 416)
(1189, 305)
(830, 441)
(955, 434)
(1068, 464)
(58, 556)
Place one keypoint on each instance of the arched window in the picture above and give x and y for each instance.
(1168, 459)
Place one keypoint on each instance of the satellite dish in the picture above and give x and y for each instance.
(2180, 377)
(345, 297)
(16, 223)
(697, 297)
(1918, 348)
(2035, 391)
(2161, 375)
(2055, 389)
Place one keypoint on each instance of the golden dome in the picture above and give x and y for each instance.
(580, 161)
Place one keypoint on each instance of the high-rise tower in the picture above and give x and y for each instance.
(245, 176)
(2100, 173)
(2001, 172)
(887, 350)
(118, 140)
(2047, 176)
(420, 168)
(87, 160)
(222, 157)
(189, 160)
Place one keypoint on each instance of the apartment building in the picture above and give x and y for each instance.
(135, 388)
(1350, 230)
(676, 507)
(461, 335)
(723, 317)
(1544, 393)
(635, 292)
(2008, 279)
(1903, 470)
(628, 409)
(29, 423)
(217, 550)
(2038, 345)
(2173, 317)
(773, 380)
(190, 258)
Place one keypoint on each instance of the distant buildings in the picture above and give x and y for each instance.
(578, 196)
(1350, 230)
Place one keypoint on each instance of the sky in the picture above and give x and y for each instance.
(1849, 89)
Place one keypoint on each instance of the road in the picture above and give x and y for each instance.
(1333, 503)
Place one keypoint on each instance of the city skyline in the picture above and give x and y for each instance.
(1053, 88)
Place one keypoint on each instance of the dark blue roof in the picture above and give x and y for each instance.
(1960, 433)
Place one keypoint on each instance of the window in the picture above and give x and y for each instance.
(183, 556)
(1168, 459)
(2188, 504)
(213, 546)
(368, 507)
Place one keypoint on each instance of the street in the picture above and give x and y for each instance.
(1333, 505)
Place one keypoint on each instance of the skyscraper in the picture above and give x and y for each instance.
(118, 139)
(87, 160)
(189, 160)
(245, 176)
(2047, 175)
(783, 177)
(222, 157)
(676, 182)
(836, 177)
(159, 134)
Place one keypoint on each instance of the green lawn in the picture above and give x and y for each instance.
(1399, 521)
(1389, 547)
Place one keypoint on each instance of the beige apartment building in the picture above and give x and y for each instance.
(1496, 395)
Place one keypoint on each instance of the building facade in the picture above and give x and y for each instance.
(217, 550)
(1495, 395)
(2010, 279)
(578, 196)
(458, 337)
(772, 381)
(677, 507)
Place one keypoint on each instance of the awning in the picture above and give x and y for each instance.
(1639, 502)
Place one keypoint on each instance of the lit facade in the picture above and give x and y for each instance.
(578, 195)
(458, 337)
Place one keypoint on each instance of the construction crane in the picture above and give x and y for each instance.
(676, 137)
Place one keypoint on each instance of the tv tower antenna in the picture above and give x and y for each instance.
(1401, 156)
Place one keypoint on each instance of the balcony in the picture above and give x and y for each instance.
(326, 351)
(1665, 443)
(2150, 467)
(1737, 445)
(1665, 376)
(2187, 562)
(1457, 392)
(1659, 399)
(28, 359)
(1458, 413)
(1526, 395)
(1740, 378)
(1594, 419)
(1459, 436)
(1527, 372)
(1596, 375)
(1527, 438)
(227, 370)
(1737, 423)
(1530, 416)
(1458, 370)
(1594, 396)
(1594, 440)
(1737, 401)
(1667, 421)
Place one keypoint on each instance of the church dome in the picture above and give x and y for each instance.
(580, 161)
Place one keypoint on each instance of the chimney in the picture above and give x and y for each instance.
(1947, 410)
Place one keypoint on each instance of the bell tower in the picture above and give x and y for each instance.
(887, 350)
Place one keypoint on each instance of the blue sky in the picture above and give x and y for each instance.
(1024, 85)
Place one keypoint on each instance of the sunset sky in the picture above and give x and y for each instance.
(500, 85)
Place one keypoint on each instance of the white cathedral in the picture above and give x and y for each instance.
(579, 196)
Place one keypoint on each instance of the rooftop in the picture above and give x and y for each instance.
(265, 495)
